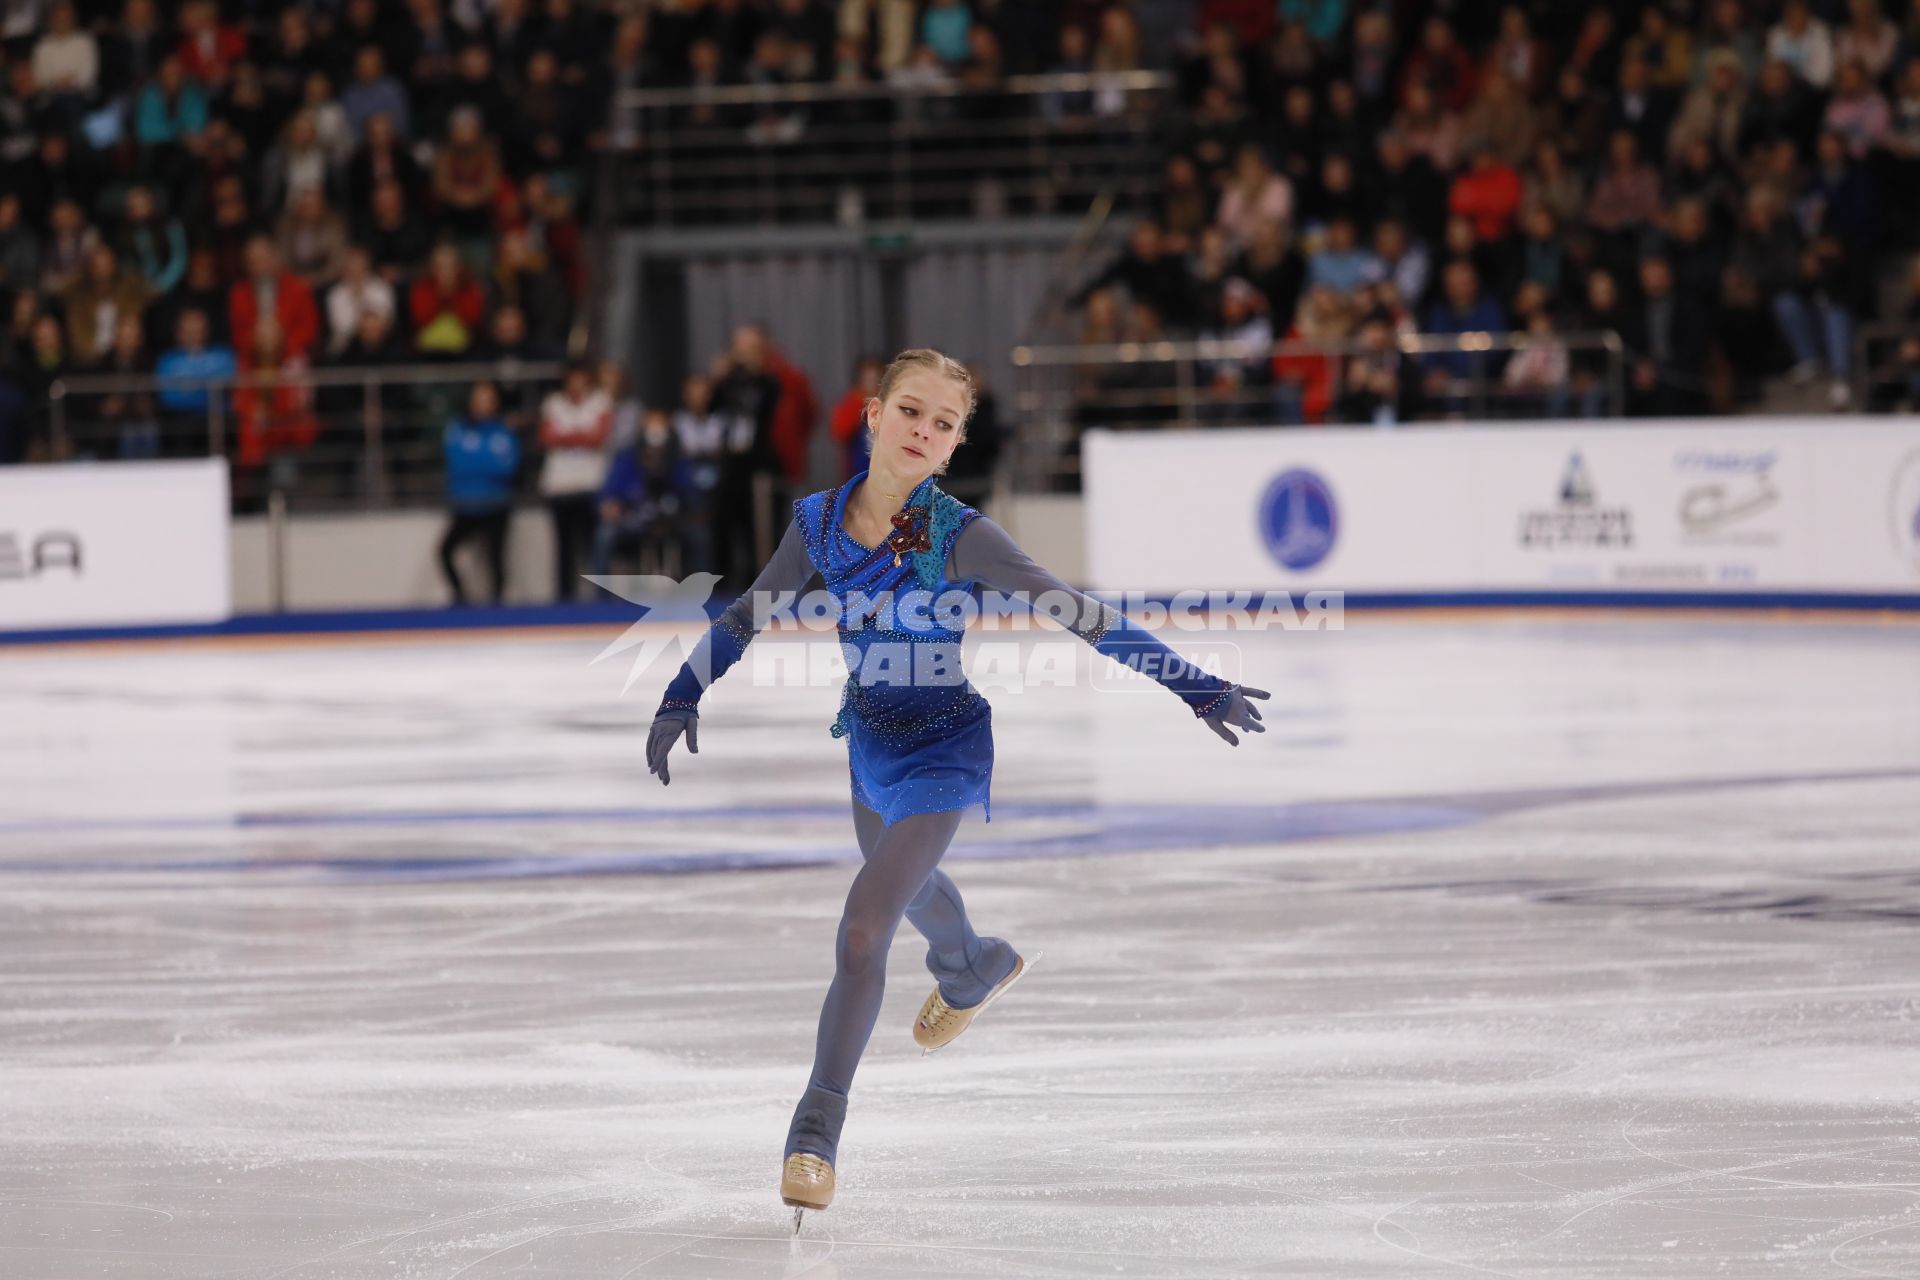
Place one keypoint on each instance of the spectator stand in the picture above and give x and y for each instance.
(1384, 380)
(1719, 186)
(911, 150)
(323, 439)
(1886, 368)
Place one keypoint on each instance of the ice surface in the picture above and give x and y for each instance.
(1519, 946)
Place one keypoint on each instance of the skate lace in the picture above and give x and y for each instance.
(937, 1013)
(807, 1166)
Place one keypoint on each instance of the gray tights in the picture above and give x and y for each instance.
(900, 876)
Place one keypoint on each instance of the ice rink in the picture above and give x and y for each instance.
(1522, 945)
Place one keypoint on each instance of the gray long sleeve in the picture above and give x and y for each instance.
(789, 569)
(986, 553)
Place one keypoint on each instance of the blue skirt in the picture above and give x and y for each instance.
(926, 764)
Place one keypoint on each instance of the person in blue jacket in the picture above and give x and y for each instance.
(1463, 307)
(920, 748)
(483, 461)
(648, 489)
(190, 374)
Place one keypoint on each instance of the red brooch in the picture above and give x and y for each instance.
(909, 533)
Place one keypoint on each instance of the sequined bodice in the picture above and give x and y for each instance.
(901, 639)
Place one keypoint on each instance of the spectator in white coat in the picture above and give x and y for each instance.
(576, 423)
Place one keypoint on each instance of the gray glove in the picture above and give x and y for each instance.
(667, 727)
(1238, 712)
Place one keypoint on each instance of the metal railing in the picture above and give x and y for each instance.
(1886, 367)
(1052, 314)
(854, 153)
(322, 438)
(1412, 378)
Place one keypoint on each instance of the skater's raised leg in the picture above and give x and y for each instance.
(965, 965)
(894, 874)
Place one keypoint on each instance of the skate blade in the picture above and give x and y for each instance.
(1025, 969)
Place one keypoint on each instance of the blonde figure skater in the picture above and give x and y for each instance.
(919, 736)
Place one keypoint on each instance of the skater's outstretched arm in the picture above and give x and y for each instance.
(986, 553)
(789, 570)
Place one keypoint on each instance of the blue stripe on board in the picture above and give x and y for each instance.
(610, 614)
(1870, 601)
(324, 622)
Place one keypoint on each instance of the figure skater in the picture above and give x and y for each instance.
(919, 736)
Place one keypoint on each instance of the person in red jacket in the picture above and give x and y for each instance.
(547, 216)
(271, 291)
(208, 46)
(273, 415)
(1305, 378)
(794, 414)
(1442, 65)
(1251, 20)
(446, 304)
(850, 415)
(1487, 193)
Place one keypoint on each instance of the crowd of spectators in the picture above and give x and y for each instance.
(1718, 182)
(203, 192)
(665, 488)
(266, 188)
(661, 489)
(219, 187)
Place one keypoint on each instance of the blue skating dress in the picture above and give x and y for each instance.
(919, 735)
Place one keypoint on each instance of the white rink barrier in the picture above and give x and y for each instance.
(1786, 506)
(114, 544)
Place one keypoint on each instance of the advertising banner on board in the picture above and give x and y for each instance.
(114, 544)
(1802, 505)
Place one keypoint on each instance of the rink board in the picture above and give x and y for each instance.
(1809, 506)
(114, 544)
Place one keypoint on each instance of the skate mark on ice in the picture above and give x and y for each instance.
(388, 1239)
(1834, 1255)
(1803, 1155)
(1386, 1220)
(572, 1229)
(1692, 1175)
(91, 1204)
